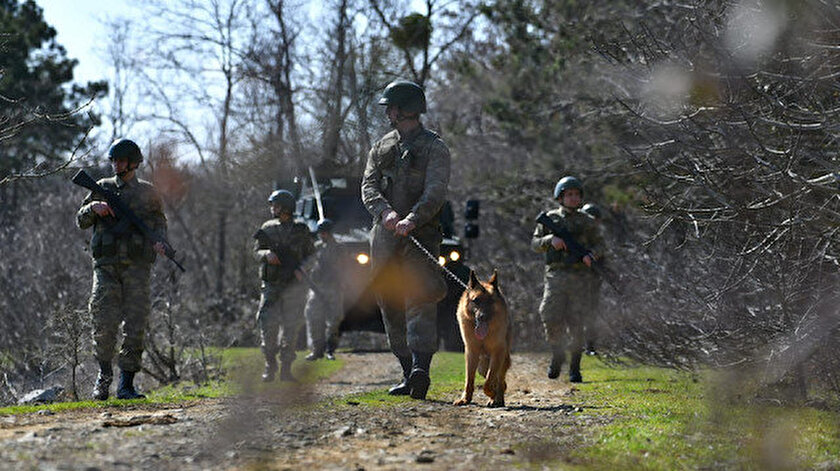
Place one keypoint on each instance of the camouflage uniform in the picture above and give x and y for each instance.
(122, 260)
(282, 294)
(410, 176)
(324, 313)
(569, 285)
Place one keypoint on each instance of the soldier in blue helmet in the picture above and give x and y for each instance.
(568, 281)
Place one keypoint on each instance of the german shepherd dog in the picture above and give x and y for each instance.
(486, 330)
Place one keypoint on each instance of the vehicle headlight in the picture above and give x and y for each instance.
(454, 256)
(362, 258)
(442, 260)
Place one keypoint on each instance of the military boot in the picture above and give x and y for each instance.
(403, 389)
(317, 352)
(419, 379)
(286, 370)
(126, 387)
(331, 345)
(103, 381)
(270, 368)
(557, 357)
(574, 368)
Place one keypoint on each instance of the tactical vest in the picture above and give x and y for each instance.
(118, 240)
(404, 171)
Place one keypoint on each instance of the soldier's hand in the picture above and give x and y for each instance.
(160, 248)
(102, 209)
(272, 259)
(587, 260)
(299, 275)
(404, 227)
(389, 219)
(558, 243)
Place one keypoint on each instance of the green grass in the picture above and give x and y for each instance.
(447, 380)
(664, 419)
(243, 367)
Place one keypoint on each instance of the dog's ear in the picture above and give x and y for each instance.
(494, 280)
(474, 283)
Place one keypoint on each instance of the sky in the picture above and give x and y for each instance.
(81, 30)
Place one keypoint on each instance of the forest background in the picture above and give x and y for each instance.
(706, 131)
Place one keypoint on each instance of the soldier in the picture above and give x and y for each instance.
(592, 321)
(569, 279)
(325, 309)
(122, 260)
(404, 188)
(282, 292)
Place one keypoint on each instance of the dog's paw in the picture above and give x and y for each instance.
(494, 403)
(461, 402)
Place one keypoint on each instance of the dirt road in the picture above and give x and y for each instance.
(293, 430)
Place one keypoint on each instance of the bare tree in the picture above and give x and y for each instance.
(204, 43)
(733, 132)
(270, 62)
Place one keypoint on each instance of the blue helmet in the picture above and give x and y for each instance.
(565, 183)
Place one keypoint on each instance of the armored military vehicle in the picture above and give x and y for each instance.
(340, 201)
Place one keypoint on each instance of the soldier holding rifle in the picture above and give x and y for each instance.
(123, 254)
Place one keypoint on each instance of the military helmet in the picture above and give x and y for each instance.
(405, 95)
(125, 149)
(565, 183)
(284, 198)
(325, 225)
(591, 210)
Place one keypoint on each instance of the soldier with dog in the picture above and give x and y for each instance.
(570, 279)
(404, 188)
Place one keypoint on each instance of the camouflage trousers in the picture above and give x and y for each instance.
(408, 286)
(120, 295)
(280, 318)
(567, 307)
(323, 316)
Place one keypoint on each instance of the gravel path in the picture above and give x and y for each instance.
(286, 429)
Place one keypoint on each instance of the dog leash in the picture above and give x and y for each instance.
(435, 261)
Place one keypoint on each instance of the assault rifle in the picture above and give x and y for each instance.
(288, 260)
(125, 215)
(579, 251)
